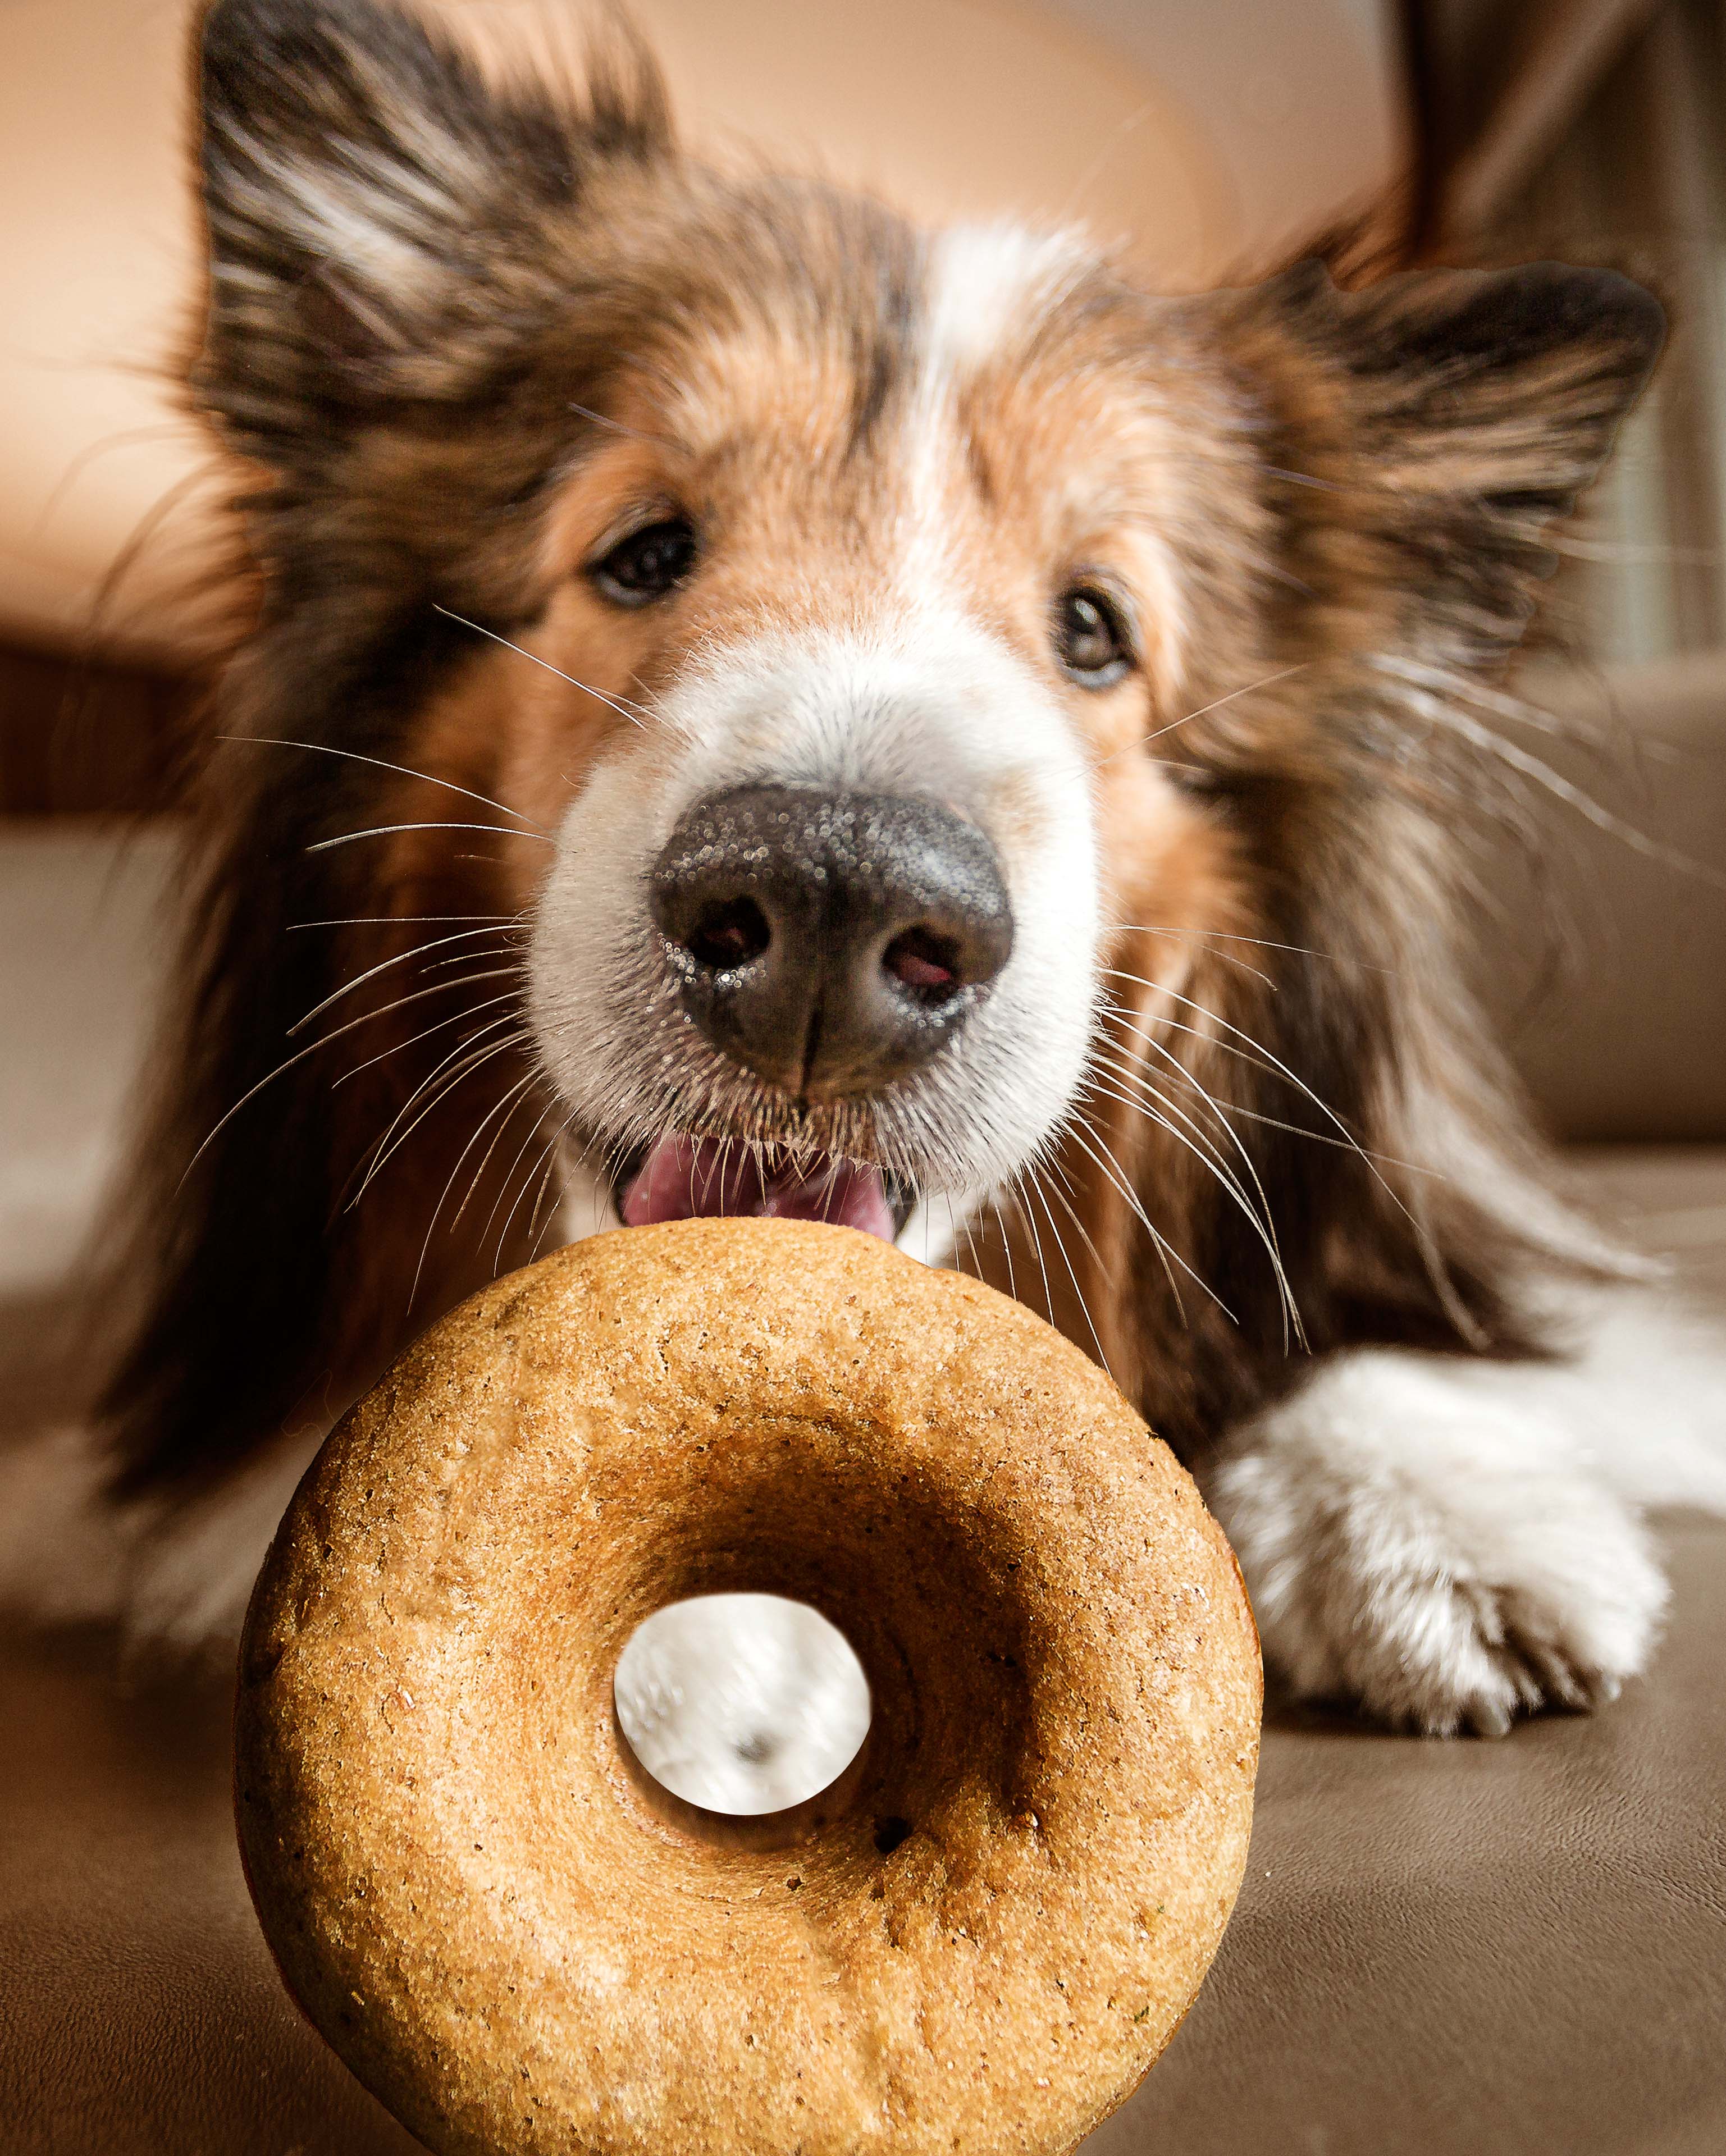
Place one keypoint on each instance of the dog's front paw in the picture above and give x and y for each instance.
(1410, 1544)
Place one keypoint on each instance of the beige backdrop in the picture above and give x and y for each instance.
(1206, 132)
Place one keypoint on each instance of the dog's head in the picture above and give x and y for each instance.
(869, 692)
(825, 884)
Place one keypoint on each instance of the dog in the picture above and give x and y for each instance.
(754, 707)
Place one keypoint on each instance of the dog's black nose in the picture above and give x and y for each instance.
(830, 942)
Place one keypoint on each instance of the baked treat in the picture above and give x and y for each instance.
(987, 1931)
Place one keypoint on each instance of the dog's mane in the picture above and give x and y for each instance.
(1324, 1150)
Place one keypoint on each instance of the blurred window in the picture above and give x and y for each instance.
(1596, 131)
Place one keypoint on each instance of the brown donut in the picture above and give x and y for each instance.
(979, 1940)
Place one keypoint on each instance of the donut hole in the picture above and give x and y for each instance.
(744, 1707)
(925, 1582)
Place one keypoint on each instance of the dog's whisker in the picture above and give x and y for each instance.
(460, 1064)
(560, 1139)
(1499, 702)
(613, 1152)
(1006, 1248)
(1253, 1061)
(1444, 710)
(1258, 1218)
(1127, 1069)
(1259, 943)
(453, 1070)
(536, 1234)
(1228, 957)
(1217, 704)
(451, 1055)
(460, 958)
(1256, 1057)
(405, 919)
(1107, 1050)
(510, 1100)
(969, 1234)
(1258, 1049)
(311, 1048)
(1047, 1193)
(503, 1233)
(405, 770)
(1226, 1112)
(453, 1082)
(437, 988)
(388, 830)
(1438, 1272)
(455, 1018)
(1139, 1077)
(1262, 1226)
(617, 427)
(385, 965)
(504, 1181)
(1197, 1141)
(1254, 1053)
(1138, 1081)
(1193, 1139)
(1022, 1208)
(954, 1232)
(1626, 551)
(522, 651)
(1075, 1130)
(1064, 1195)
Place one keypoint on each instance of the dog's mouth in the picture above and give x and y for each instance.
(684, 1178)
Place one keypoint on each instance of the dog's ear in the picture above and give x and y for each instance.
(1445, 418)
(379, 213)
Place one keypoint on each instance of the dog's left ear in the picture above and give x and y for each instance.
(1450, 416)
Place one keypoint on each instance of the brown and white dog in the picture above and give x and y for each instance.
(756, 706)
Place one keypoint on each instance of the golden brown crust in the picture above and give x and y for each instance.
(480, 1904)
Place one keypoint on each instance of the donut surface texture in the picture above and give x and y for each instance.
(979, 1940)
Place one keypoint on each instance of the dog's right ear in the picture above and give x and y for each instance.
(381, 216)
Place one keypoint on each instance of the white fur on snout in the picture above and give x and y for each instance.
(929, 705)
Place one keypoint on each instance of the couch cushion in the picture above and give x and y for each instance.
(1602, 949)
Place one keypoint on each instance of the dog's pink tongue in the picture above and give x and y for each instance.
(847, 1191)
(689, 1178)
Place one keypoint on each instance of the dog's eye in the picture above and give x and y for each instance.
(648, 564)
(1091, 638)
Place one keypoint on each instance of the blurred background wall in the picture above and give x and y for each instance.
(1204, 135)
(1210, 135)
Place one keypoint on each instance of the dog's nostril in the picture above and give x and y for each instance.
(729, 935)
(926, 962)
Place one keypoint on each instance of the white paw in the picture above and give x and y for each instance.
(1442, 1557)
